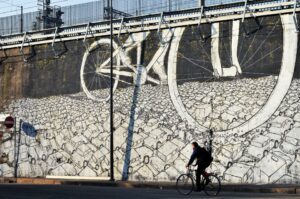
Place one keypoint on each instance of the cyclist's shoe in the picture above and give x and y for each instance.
(197, 190)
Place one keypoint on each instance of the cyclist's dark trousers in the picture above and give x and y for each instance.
(201, 168)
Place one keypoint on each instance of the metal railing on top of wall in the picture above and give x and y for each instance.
(93, 11)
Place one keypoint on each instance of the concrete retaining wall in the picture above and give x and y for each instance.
(241, 80)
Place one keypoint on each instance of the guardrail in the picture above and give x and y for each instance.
(156, 21)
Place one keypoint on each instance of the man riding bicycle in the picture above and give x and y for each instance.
(204, 159)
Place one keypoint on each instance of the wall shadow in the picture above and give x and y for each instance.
(137, 87)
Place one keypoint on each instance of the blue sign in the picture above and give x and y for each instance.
(29, 129)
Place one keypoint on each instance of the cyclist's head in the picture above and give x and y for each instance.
(195, 144)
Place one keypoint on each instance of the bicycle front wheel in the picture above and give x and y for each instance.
(185, 184)
(212, 186)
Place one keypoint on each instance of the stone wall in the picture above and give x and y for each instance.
(241, 80)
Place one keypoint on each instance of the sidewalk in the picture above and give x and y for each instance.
(269, 188)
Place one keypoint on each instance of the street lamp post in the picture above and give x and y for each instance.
(111, 95)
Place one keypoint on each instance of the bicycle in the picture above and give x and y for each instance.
(210, 183)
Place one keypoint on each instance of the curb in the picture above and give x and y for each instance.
(32, 181)
(280, 189)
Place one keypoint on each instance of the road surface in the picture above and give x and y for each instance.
(17, 191)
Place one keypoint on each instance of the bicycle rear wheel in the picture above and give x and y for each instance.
(185, 184)
(212, 185)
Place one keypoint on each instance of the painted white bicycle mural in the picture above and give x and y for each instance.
(96, 69)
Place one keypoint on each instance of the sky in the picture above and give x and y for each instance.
(12, 7)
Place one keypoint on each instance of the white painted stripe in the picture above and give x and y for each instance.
(219, 71)
(215, 55)
(234, 45)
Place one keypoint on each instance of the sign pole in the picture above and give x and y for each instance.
(15, 146)
(111, 96)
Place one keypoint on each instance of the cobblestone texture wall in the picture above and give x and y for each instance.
(152, 128)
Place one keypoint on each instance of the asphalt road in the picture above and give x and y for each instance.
(16, 191)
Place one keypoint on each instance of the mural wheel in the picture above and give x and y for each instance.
(95, 67)
(95, 70)
(233, 80)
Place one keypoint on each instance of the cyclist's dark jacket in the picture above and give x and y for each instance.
(201, 154)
